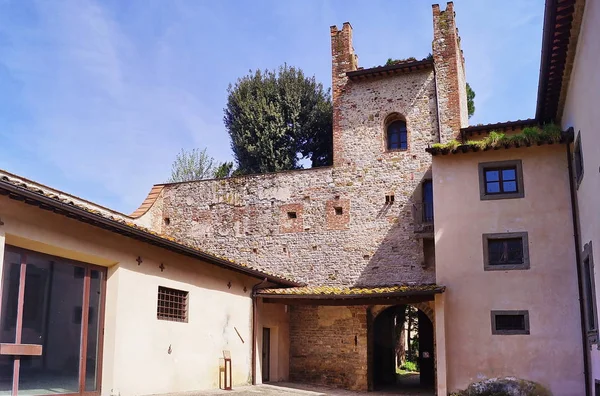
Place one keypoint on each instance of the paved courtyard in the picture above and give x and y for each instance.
(287, 389)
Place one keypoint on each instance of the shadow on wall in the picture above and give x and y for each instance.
(406, 254)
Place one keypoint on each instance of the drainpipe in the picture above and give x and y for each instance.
(254, 310)
(575, 215)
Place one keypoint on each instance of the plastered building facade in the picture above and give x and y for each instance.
(291, 273)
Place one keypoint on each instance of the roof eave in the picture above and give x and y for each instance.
(547, 37)
(32, 198)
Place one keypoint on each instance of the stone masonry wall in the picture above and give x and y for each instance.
(328, 225)
(329, 346)
(450, 74)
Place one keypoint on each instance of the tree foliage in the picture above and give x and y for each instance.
(275, 118)
(225, 169)
(470, 100)
(192, 165)
(198, 165)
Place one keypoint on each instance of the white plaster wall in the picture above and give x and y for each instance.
(552, 354)
(581, 113)
(136, 359)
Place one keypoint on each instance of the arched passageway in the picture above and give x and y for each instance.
(402, 348)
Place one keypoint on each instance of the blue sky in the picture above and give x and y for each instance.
(98, 97)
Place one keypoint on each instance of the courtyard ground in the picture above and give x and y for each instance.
(288, 389)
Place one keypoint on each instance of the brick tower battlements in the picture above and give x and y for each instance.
(451, 84)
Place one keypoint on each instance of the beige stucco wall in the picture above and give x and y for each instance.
(136, 359)
(277, 318)
(581, 113)
(552, 353)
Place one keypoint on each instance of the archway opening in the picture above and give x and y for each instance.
(403, 349)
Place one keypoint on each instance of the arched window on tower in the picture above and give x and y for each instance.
(397, 138)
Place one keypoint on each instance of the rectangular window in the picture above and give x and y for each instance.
(501, 180)
(578, 159)
(589, 294)
(172, 304)
(505, 251)
(510, 322)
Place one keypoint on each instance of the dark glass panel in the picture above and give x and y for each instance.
(492, 175)
(509, 174)
(505, 251)
(492, 188)
(91, 370)
(509, 186)
(53, 296)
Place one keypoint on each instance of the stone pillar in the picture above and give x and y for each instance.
(450, 77)
(343, 59)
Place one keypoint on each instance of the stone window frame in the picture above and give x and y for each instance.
(592, 333)
(525, 313)
(501, 164)
(391, 117)
(578, 160)
(508, 267)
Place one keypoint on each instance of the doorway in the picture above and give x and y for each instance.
(266, 354)
(51, 312)
(402, 349)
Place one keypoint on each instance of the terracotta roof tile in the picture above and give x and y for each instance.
(346, 291)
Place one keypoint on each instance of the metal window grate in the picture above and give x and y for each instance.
(510, 322)
(172, 304)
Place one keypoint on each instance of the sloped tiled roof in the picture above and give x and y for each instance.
(148, 202)
(350, 292)
(61, 203)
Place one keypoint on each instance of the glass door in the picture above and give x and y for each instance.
(50, 324)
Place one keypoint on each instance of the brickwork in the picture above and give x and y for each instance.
(329, 346)
(337, 213)
(450, 74)
(343, 59)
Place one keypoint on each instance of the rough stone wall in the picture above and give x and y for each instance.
(450, 74)
(328, 225)
(343, 59)
(329, 346)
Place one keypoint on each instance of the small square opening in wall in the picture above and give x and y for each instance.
(338, 210)
(292, 215)
(510, 322)
(172, 304)
(389, 199)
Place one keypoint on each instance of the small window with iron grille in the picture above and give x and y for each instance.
(510, 322)
(578, 160)
(505, 251)
(172, 304)
(501, 180)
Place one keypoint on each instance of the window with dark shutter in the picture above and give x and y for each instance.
(505, 251)
(578, 160)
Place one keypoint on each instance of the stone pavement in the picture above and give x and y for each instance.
(288, 389)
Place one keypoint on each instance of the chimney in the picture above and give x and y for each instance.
(343, 59)
(451, 84)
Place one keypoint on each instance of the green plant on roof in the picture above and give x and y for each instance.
(548, 133)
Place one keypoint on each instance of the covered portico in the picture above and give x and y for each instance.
(344, 336)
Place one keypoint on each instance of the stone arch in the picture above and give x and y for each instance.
(423, 306)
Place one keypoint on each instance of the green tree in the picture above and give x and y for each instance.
(223, 170)
(192, 165)
(275, 118)
(470, 100)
